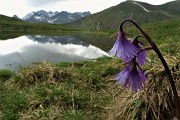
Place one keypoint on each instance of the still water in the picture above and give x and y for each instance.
(25, 50)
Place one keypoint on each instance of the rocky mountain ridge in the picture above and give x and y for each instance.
(62, 17)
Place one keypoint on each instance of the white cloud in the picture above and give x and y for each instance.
(37, 3)
(23, 7)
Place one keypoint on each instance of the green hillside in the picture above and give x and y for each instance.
(87, 90)
(11, 27)
(166, 34)
(111, 17)
(172, 8)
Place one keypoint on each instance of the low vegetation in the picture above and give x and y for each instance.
(12, 27)
(80, 90)
(87, 90)
(110, 18)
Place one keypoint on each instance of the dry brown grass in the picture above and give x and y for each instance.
(155, 102)
(87, 91)
(43, 72)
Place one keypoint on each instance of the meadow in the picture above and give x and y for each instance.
(87, 90)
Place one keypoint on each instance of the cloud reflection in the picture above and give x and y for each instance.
(23, 51)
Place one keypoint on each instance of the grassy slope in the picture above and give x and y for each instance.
(11, 27)
(110, 18)
(86, 90)
(64, 91)
(166, 34)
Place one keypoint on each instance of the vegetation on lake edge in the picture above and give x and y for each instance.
(12, 27)
(85, 90)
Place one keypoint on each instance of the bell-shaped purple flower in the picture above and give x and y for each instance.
(133, 77)
(123, 48)
(141, 56)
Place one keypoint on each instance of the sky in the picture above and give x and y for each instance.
(23, 7)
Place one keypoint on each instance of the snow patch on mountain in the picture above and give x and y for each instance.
(141, 7)
(38, 18)
(54, 17)
(28, 15)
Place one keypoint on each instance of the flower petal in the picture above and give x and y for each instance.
(122, 76)
(141, 58)
(123, 48)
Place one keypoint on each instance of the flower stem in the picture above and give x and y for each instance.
(155, 48)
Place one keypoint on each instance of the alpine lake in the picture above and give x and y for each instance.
(27, 50)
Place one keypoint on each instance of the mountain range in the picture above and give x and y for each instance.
(139, 12)
(62, 17)
(109, 18)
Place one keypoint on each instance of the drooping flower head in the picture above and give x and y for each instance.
(141, 56)
(132, 76)
(123, 48)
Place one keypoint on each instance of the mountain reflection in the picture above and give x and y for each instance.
(25, 50)
(67, 39)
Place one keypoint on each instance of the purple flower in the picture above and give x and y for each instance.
(141, 56)
(133, 77)
(123, 48)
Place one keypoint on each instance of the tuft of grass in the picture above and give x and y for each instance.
(5, 74)
(79, 90)
(42, 73)
(87, 90)
(155, 102)
(12, 102)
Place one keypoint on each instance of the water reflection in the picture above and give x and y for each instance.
(27, 49)
(66, 39)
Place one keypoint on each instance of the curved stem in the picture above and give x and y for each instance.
(136, 41)
(145, 35)
(155, 48)
(145, 49)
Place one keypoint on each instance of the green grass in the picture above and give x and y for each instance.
(87, 90)
(12, 102)
(76, 91)
(11, 28)
(110, 18)
(166, 34)
(82, 90)
(5, 74)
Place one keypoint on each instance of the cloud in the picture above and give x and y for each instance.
(37, 3)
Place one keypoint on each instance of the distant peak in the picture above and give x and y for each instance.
(54, 17)
(141, 6)
(15, 16)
